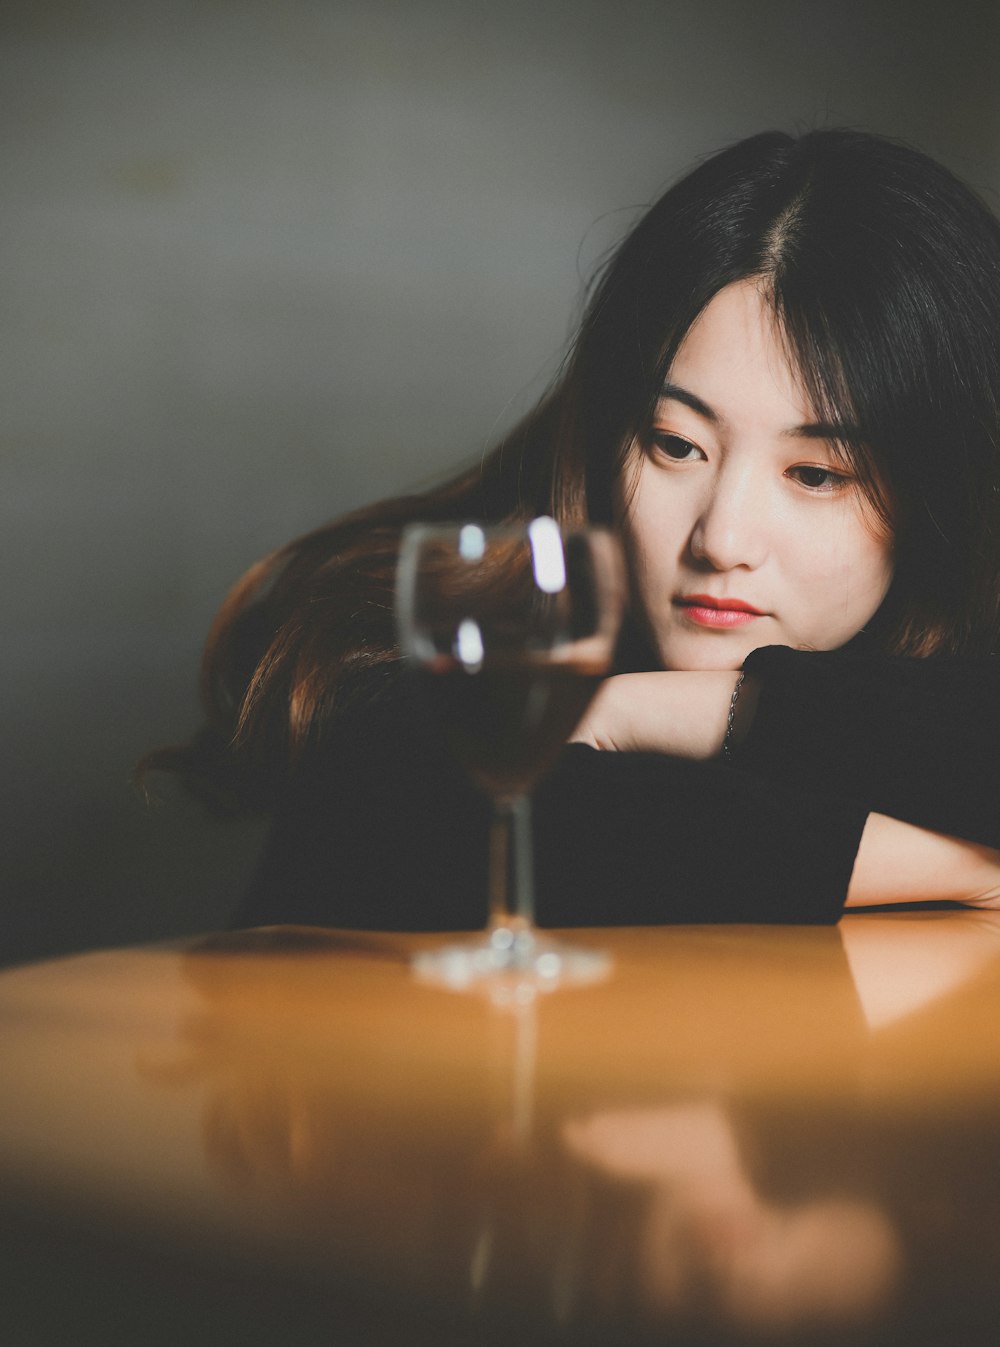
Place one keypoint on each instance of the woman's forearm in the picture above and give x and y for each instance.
(900, 863)
(683, 714)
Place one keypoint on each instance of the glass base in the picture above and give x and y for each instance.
(511, 962)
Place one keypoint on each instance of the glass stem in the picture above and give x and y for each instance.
(512, 880)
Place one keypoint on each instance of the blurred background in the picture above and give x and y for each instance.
(262, 262)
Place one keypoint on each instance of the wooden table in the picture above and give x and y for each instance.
(743, 1134)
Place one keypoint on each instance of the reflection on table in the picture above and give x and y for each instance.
(742, 1134)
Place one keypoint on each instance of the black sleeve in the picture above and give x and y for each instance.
(918, 739)
(383, 832)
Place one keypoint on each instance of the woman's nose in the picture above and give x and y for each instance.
(731, 528)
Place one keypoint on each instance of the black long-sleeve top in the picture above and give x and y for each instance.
(383, 831)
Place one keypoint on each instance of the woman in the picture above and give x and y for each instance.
(784, 395)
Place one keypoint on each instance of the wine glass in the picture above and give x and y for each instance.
(511, 628)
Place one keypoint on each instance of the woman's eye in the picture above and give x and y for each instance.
(818, 479)
(675, 447)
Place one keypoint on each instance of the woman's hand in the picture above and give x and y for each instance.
(683, 714)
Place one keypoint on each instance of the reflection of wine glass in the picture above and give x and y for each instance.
(511, 628)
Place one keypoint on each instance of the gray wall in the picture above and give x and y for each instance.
(263, 261)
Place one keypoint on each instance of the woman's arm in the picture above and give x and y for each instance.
(382, 830)
(900, 863)
(686, 715)
(683, 714)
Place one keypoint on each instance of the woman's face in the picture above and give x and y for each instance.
(741, 528)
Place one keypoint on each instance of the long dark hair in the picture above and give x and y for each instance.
(884, 273)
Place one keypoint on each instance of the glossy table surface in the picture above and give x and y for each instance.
(742, 1134)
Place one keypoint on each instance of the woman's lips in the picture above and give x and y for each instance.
(705, 611)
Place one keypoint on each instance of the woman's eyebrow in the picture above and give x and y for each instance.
(825, 430)
(689, 399)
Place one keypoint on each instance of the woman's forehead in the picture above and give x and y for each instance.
(734, 363)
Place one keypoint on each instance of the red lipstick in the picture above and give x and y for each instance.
(706, 611)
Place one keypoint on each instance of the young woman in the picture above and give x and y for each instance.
(784, 395)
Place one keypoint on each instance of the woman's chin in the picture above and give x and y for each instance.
(707, 654)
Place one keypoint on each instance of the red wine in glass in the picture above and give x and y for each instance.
(511, 628)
